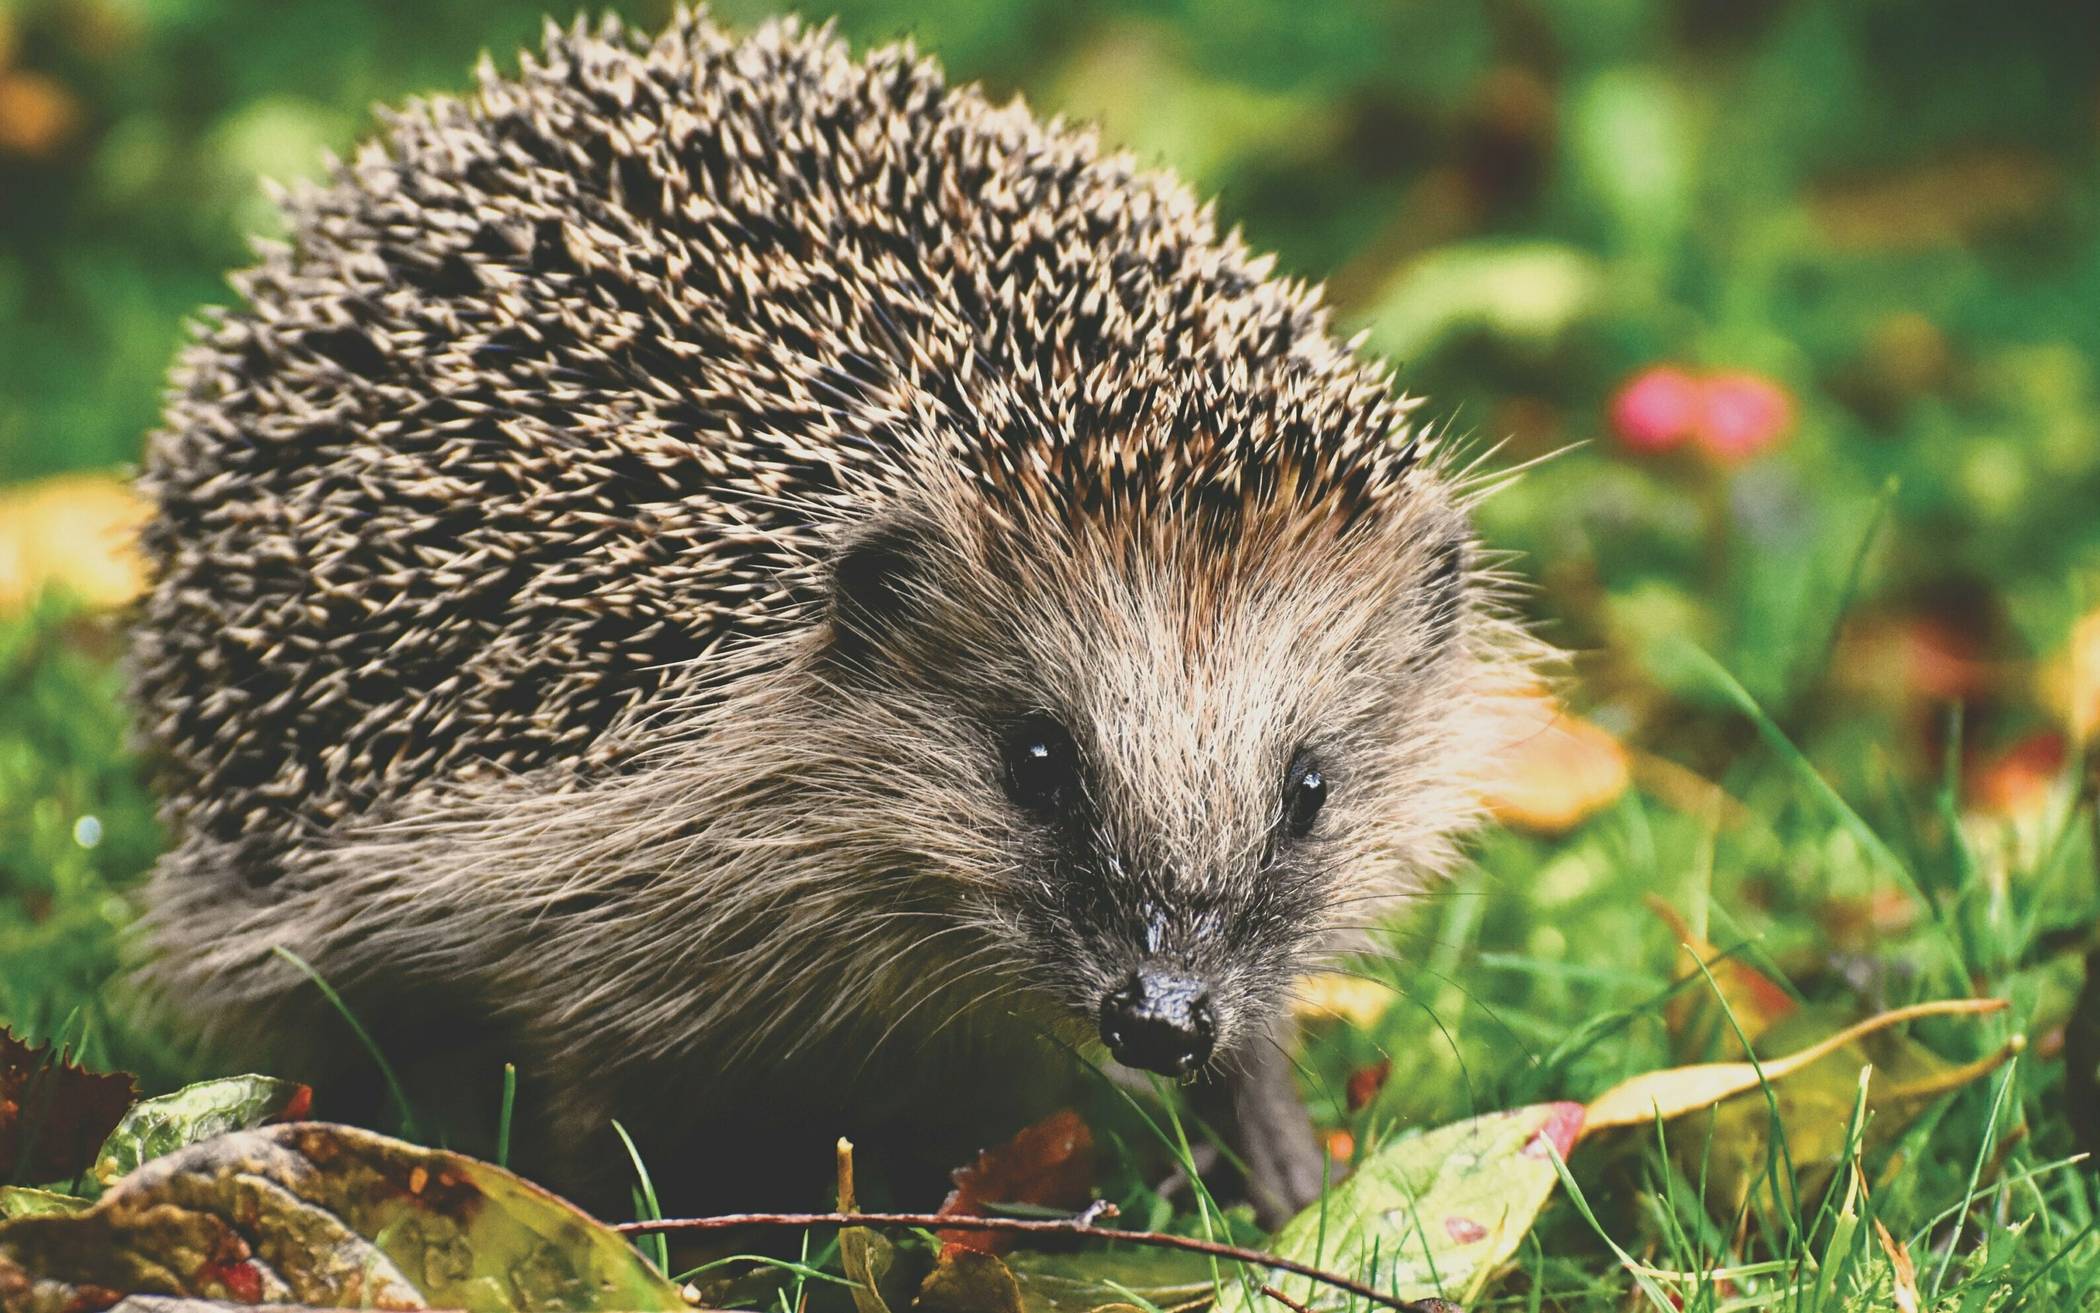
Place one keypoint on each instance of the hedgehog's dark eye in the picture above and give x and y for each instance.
(1042, 765)
(1304, 793)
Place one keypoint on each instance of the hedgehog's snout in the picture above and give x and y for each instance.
(1160, 1020)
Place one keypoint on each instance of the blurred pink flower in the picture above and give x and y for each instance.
(1657, 409)
(1731, 416)
(1744, 414)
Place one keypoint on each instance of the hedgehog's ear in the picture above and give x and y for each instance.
(875, 581)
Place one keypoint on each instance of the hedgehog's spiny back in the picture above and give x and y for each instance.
(556, 395)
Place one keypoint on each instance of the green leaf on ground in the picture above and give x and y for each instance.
(195, 1113)
(24, 1201)
(1083, 1282)
(329, 1216)
(1431, 1215)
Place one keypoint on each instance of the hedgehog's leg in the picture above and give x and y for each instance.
(1257, 1110)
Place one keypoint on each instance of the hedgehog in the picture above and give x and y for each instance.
(774, 593)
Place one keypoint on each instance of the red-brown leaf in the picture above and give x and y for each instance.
(1049, 1164)
(53, 1114)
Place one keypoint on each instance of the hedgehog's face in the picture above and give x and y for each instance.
(1170, 776)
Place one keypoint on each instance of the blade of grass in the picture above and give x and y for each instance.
(659, 1248)
(1804, 770)
(510, 1098)
(402, 1108)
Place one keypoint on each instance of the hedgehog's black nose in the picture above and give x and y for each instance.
(1159, 1021)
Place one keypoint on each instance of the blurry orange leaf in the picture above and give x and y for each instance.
(1752, 997)
(37, 113)
(1331, 994)
(1049, 1164)
(1639, 1100)
(54, 1116)
(1551, 768)
(1341, 1146)
(1920, 658)
(2018, 780)
(75, 531)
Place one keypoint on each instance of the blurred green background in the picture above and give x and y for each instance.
(1800, 297)
(1889, 208)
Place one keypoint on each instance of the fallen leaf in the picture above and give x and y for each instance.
(1327, 995)
(328, 1216)
(196, 1113)
(25, 1201)
(968, 1280)
(1551, 768)
(1751, 997)
(1098, 1280)
(1049, 1164)
(1436, 1213)
(1639, 1100)
(53, 1114)
(75, 531)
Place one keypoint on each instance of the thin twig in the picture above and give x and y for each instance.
(1039, 1226)
(1293, 1305)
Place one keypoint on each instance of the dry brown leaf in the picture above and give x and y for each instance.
(54, 1116)
(1906, 1283)
(77, 532)
(1050, 1163)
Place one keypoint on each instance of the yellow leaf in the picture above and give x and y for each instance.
(1640, 1100)
(1550, 768)
(77, 532)
(2071, 683)
(1330, 994)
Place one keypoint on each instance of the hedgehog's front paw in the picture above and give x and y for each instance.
(1258, 1111)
